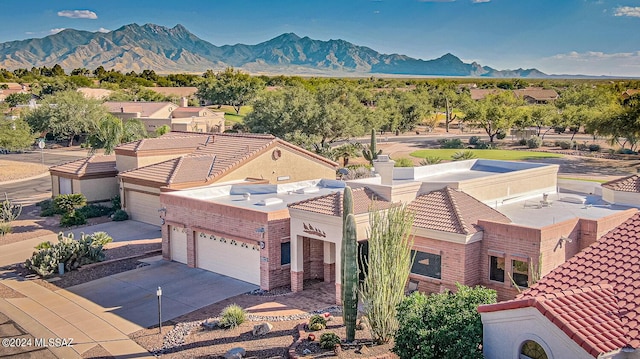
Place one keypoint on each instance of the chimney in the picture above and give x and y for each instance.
(384, 167)
(184, 102)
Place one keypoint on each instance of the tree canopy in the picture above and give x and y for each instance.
(229, 87)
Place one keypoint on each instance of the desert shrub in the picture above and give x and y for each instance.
(403, 162)
(73, 253)
(430, 160)
(481, 145)
(74, 218)
(534, 142)
(48, 208)
(357, 172)
(317, 322)
(473, 140)
(67, 203)
(450, 143)
(501, 135)
(626, 151)
(565, 145)
(522, 142)
(101, 238)
(116, 203)
(463, 155)
(594, 147)
(582, 147)
(232, 316)
(559, 129)
(443, 325)
(120, 215)
(5, 228)
(329, 340)
(94, 210)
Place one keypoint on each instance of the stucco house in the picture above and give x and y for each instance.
(588, 307)
(178, 161)
(95, 177)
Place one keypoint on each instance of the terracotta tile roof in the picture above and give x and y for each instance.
(175, 91)
(448, 210)
(94, 165)
(331, 204)
(625, 184)
(479, 94)
(146, 109)
(613, 263)
(159, 173)
(169, 141)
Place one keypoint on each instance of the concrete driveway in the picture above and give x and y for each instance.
(132, 295)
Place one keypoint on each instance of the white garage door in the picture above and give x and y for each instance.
(143, 207)
(178, 244)
(225, 256)
(65, 185)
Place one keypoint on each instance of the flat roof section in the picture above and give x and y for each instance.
(263, 198)
(559, 207)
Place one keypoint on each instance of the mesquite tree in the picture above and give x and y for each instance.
(389, 262)
(349, 270)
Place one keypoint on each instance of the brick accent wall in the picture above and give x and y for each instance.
(313, 250)
(166, 255)
(297, 281)
(191, 249)
(338, 294)
(329, 272)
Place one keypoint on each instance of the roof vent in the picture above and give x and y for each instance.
(308, 190)
(270, 201)
(247, 196)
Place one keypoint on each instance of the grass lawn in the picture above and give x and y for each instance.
(508, 155)
(230, 113)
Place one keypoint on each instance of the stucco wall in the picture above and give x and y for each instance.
(55, 185)
(505, 331)
(291, 164)
(622, 198)
(98, 189)
(504, 186)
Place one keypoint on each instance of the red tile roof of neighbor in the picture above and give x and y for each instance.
(449, 210)
(88, 166)
(331, 204)
(212, 156)
(146, 109)
(537, 93)
(593, 297)
(625, 184)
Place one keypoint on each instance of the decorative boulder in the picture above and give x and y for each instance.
(211, 323)
(235, 353)
(262, 329)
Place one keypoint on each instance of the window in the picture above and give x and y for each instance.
(496, 269)
(532, 350)
(426, 264)
(285, 253)
(520, 271)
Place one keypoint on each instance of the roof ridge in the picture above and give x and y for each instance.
(176, 167)
(574, 291)
(239, 160)
(456, 211)
(84, 165)
(149, 165)
(213, 162)
(313, 198)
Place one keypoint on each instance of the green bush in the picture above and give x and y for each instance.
(75, 218)
(116, 203)
(94, 210)
(430, 160)
(463, 155)
(522, 142)
(120, 215)
(403, 162)
(443, 325)
(473, 140)
(73, 253)
(534, 142)
(501, 135)
(481, 145)
(232, 316)
(565, 145)
(583, 147)
(450, 143)
(329, 340)
(594, 147)
(69, 202)
(101, 238)
(626, 151)
(5, 228)
(48, 208)
(317, 322)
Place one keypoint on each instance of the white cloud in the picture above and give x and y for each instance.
(592, 63)
(55, 31)
(627, 11)
(479, 1)
(78, 14)
(103, 30)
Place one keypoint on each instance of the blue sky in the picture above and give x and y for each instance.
(596, 37)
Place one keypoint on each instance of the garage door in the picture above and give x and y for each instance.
(231, 258)
(143, 207)
(178, 244)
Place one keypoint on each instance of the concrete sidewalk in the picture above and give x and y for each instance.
(63, 314)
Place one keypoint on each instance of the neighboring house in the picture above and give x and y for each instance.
(13, 88)
(537, 95)
(180, 161)
(588, 307)
(179, 118)
(623, 191)
(629, 93)
(479, 94)
(94, 176)
(188, 92)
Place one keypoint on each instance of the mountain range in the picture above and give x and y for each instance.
(169, 50)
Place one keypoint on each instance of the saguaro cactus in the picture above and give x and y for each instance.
(349, 262)
(371, 153)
